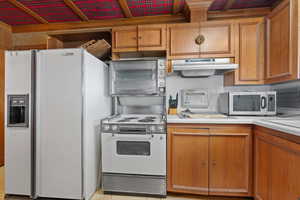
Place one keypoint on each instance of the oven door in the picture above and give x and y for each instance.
(134, 154)
(248, 104)
(134, 77)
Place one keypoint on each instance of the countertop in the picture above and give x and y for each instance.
(260, 121)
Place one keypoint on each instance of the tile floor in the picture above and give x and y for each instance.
(100, 196)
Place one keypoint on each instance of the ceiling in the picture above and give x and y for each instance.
(24, 12)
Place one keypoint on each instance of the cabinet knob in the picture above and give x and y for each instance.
(203, 163)
(200, 39)
(214, 163)
(140, 37)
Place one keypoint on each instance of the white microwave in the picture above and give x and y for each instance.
(248, 103)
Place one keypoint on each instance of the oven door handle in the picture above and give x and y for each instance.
(123, 136)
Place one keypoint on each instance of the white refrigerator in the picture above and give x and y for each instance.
(55, 100)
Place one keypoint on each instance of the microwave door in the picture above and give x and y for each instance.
(246, 104)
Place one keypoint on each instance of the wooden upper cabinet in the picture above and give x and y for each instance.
(201, 40)
(182, 41)
(152, 37)
(188, 160)
(282, 43)
(277, 166)
(230, 161)
(139, 38)
(125, 39)
(216, 39)
(250, 53)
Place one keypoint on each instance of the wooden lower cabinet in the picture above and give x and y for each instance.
(189, 164)
(277, 164)
(230, 161)
(210, 160)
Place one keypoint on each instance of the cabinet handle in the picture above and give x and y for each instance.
(200, 39)
(214, 163)
(140, 37)
(203, 163)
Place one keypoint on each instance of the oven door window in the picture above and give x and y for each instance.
(246, 103)
(135, 148)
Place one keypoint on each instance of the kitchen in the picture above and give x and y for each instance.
(200, 100)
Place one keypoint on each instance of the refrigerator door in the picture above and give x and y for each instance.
(59, 124)
(18, 122)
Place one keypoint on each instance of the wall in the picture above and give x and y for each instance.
(288, 97)
(213, 84)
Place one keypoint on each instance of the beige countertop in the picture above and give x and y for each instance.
(264, 121)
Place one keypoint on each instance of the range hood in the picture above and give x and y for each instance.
(203, 67)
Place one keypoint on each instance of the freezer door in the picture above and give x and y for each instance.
(59, 124)
(18, 123)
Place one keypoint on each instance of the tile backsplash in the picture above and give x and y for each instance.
(288, 96)
(213, 85)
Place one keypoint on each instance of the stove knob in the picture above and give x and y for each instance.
(114, 128)
(106, 127)
(152, 128)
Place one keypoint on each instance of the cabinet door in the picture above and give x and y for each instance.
(216, 39)
(262, 168)
(250, 54)
(125, 39)
(230, 162)
(152, 37)
(285, 176)
(282, 43)
(182, 41)
(188, 160)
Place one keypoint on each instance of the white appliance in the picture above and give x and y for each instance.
(134, 154)
(248, 103)
(203, 67)
(55, 100)
(137, 77)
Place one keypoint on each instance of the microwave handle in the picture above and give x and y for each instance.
(263, 102)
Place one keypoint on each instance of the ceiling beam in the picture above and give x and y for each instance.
(28, 11)
(99, 23)
(124, 6)
(76, 10)
(238, 13)
(196, 10)
(229, 4)
(176, 6)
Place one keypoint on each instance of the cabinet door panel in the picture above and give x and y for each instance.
(262, 168)
(152, 37)
(230, 158)
(251, 52)
(285, 177)
(189, 161)
(217, 40)
(282, 43)
(125, 39)
(279, 41)
(182, 41)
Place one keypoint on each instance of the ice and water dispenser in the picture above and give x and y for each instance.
(18, 111)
